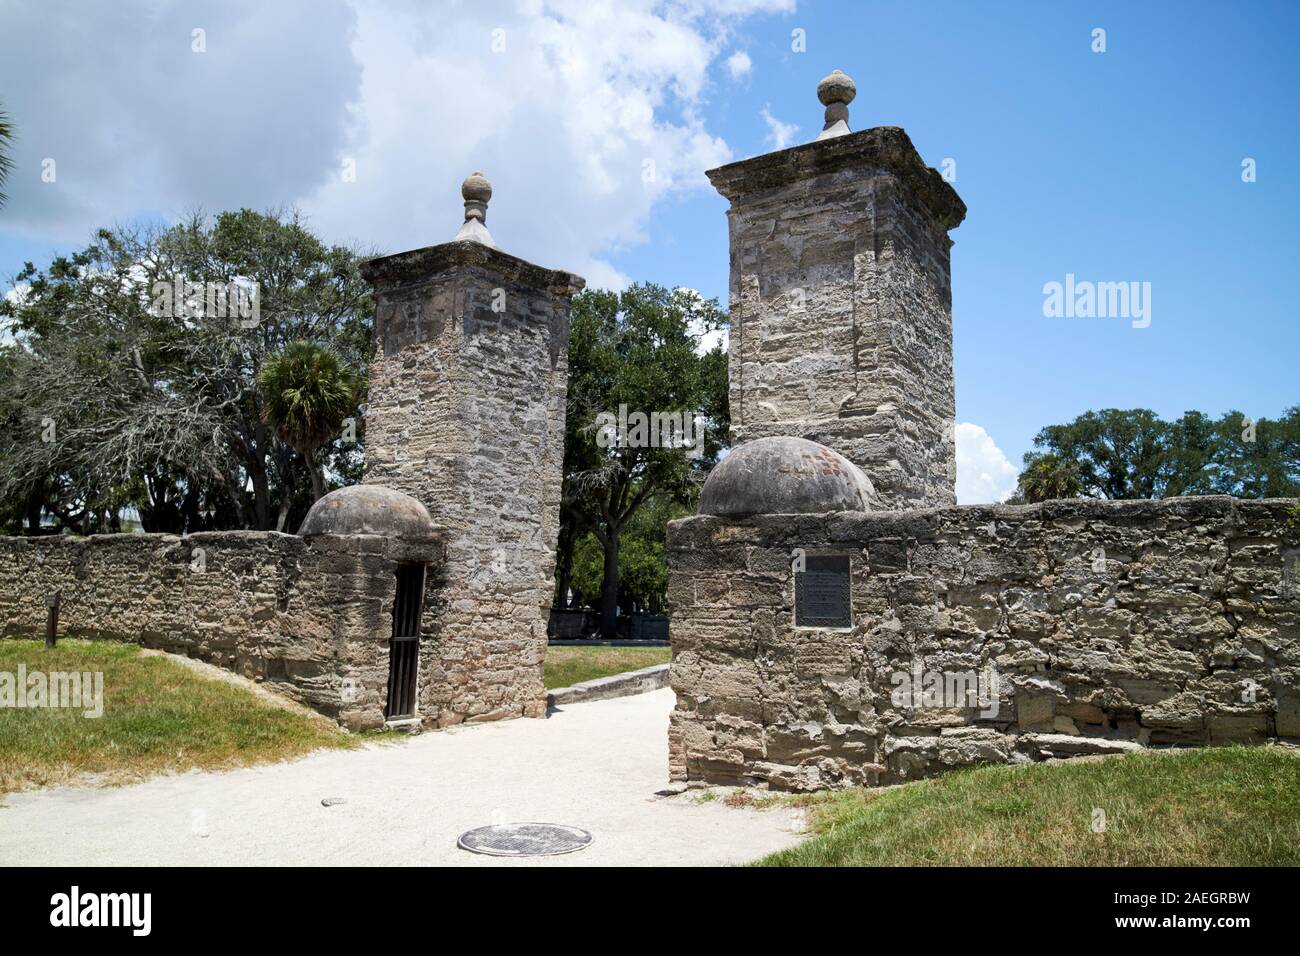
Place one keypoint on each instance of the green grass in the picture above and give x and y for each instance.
(566, 666)
(1237, 806)
(158, 716)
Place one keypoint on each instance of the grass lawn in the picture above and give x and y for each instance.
(566, 666)
(1237, 806)
(158, 716)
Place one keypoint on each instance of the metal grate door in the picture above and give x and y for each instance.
(404, 649)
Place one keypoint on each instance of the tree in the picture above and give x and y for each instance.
(1047, 476)
(638, 388)
(99, 413)
(1254, 458)
(1135, 454)
(1119, 454)
(307, 291)
(6, 150)
(134, 369)
(307, 392)
(1191, 445)
(642, 565)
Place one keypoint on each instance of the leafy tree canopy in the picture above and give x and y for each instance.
(1133, 453)
(308, 393)
(131, 380)
(637, 353)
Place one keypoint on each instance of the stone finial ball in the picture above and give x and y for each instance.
(476, 188)
(836, 88)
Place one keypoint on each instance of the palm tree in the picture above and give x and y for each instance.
(1048, 476)
(6, 148)
(307, 392)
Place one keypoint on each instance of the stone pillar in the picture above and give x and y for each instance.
(466, 414)
(841, 302)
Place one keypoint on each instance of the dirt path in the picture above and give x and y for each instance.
(595, 766)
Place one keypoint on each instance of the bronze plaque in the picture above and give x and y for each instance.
(821, 592)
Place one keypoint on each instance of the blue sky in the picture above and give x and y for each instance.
(1124, 165)
(1115, 166)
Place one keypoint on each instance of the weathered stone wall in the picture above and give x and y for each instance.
(466, 414)
(1110, 625)
(311, 616)
(841, 307)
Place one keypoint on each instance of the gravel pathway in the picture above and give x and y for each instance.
(594, 765)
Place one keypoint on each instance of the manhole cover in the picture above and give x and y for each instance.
(525, 839)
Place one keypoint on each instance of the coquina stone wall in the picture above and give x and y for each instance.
(312, 616)
(466, 414)
(1109, 626)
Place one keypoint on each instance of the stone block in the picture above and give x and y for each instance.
(1288, 713)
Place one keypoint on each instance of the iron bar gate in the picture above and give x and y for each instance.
(404, 649)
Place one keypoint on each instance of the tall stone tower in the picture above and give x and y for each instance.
(466, 414)
(841, 302)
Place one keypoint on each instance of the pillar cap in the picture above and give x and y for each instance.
(421, 265)
(876, 151)
(472, 248)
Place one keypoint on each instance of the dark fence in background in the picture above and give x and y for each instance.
(568, 625)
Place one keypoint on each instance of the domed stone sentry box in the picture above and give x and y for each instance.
(312, 615)
(384, 556)
(369, 509)
(784, 475)
(795, 476)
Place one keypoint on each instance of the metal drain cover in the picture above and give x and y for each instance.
(525, 839)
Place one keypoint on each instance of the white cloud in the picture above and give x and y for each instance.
(585, 119)
(739, 64)
(137, 122)
(709, 338)
(779, 134)
(984, 475)
(582, 115)
(17, 293)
